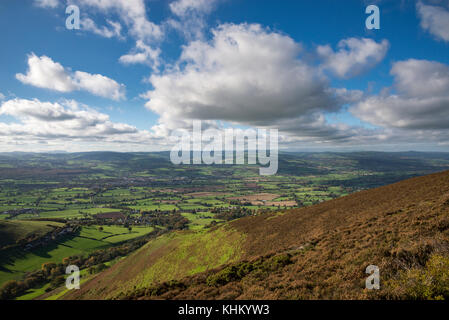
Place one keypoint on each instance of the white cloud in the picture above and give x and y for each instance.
(69, 119)
(47, 3)
(132, 12)
(43, 72)
(191, 28)
(2, 96)
(142, 54)
(421, 101)
(190, 17)
(421, 78)
(63, 122)
(247, 75)
(435, 20)
(354, 56)
(184, 7)
(71, 126)
(99, 85)
(114, 30)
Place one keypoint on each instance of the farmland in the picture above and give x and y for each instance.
(75, 206)
(316, 252)
(88, 240)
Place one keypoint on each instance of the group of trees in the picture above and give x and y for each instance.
(50, 272)
(234, 213)
(172, 221)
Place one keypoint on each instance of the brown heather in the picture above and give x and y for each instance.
(321, 252)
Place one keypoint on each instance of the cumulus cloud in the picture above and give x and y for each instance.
(113, 31)
(247, 75)
(184, 7)
(435, 20)
(87, 24)
(142, 54)
(420, 100)
(43, 72)
(132, 12)
(239, 77)
(190, 17)
(47, 3)
(99, 85)
(353, 57)
(65, 121)
(68, 119)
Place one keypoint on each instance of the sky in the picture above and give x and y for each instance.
(137, 71)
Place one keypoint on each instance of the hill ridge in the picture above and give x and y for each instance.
(401, 228)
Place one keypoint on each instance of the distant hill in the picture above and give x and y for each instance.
(318, 252)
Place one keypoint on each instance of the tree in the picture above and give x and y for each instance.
(57, 281)
(47, 268)
(11, 289)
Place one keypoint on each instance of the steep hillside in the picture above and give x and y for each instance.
(319, 252)
(171, 256)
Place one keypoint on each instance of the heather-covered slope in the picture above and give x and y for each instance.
(311, 253)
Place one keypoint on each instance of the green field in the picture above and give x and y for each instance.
(199, 220)
(145, 190)
(88, 240)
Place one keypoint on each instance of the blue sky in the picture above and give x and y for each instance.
(137, 70)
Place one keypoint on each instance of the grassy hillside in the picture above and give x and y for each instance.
(13, 231)
(15, 263)
(319, 252)
(171, 256)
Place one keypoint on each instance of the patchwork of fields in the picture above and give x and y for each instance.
(17, 262)
(112, 199)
